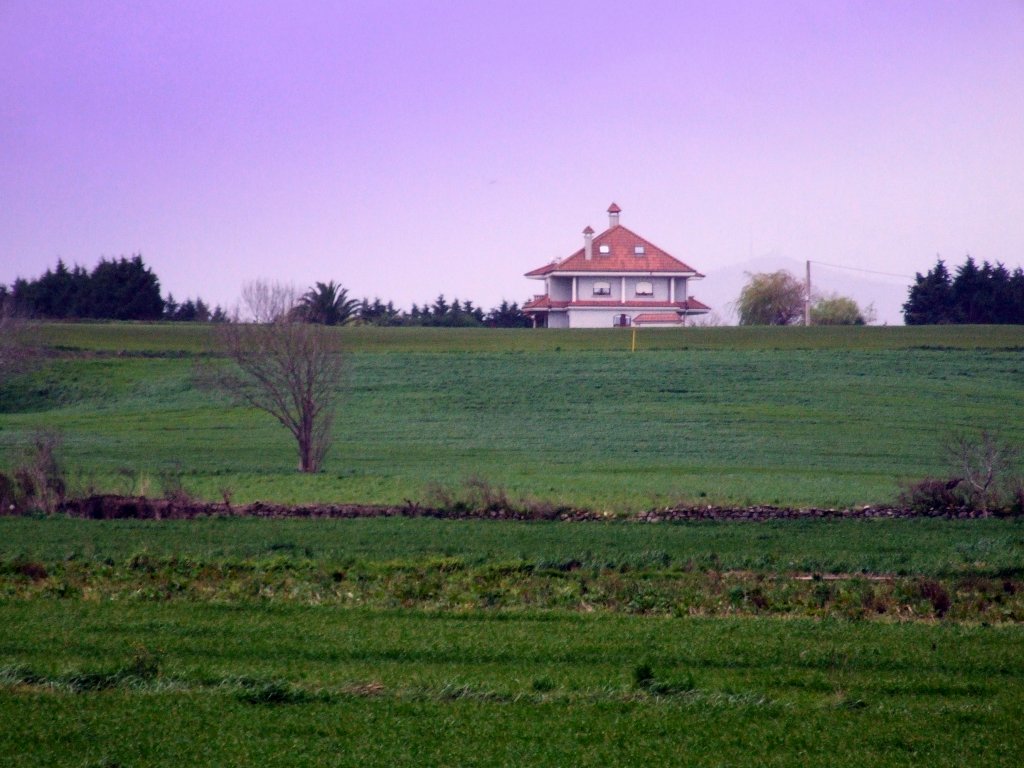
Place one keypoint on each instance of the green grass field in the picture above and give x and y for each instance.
(425, 642)
(931, 547)
(959, 571)
(429, 642)
(819, 416)
(190, 338)
(173, 684)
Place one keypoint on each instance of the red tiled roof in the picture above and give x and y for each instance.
(658, 317)
(621, 242)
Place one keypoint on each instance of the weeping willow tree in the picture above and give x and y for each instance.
(772, 298)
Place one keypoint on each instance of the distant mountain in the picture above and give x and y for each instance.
(721, 288)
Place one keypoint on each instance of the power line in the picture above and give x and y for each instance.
(858, 269)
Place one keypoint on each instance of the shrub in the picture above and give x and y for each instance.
(983, 478)
(1017, 504)
(822, 594)
(8, 494)
(838, 310)
(543, 684)
(173, 486)
(474, 495)
(38, 480)
(644, 680)
(931, 495)
(31, 569)
(144, 664)
(643, 675)
(482, 495)
(936, 594)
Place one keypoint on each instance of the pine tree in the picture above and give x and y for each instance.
(931, 298)
(971, 295)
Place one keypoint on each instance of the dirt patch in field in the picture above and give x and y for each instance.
(108, 507)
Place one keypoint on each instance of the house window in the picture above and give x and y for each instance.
(644, 288)
(638, 250)
(602, 289)
(604, 249)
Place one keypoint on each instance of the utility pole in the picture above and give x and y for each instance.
(807, 296)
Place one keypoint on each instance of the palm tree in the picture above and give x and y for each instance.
(327, 304)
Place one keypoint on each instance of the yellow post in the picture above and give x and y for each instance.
(633, 348)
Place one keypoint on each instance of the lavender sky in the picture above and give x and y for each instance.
(410, 148)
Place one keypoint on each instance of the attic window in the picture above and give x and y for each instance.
(644, 288)
(638, 250)
(602, 289)
(604, 249)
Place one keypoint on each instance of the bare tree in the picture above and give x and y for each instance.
(987, 465)
(710, 320)
(40, 474)
(264, 302)
(286, 368)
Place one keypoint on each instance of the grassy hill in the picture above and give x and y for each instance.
(452, 642)
(805, 416)
(166, 338)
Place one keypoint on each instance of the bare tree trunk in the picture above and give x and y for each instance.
(986, 464)
(286, 368)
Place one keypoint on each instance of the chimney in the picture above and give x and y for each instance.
(613, 215)
(588, 243)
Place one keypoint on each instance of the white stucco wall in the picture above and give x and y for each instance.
(682, 292)
(659, 284)
(593, 318)
(560, 288)
(558, 320)
(585, 288)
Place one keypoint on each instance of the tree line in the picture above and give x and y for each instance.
(777, 298)
(126, 289)
(989, 294)
(329, 304)
(116, 289)
(442, 314)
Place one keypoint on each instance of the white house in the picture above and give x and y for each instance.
(616, 279)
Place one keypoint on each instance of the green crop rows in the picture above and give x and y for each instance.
(179, 683)
(734, 415)
(931, 547)
(425, 642)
